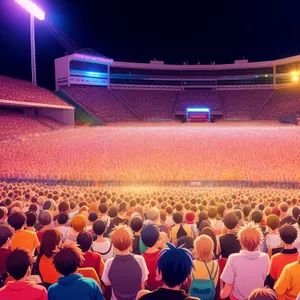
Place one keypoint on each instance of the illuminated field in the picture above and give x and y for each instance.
(259, 151)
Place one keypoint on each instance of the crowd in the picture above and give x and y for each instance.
(21, 90)
(62, 242)
(282, 103)
(242, 104)
(100, 102)
(14, 125)
(150, 104)
(245, 151)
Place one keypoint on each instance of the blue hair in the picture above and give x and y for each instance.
(150, 235)
(175, 265)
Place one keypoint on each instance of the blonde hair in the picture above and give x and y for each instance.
(263, 294)
(153, 214)
(121, 237)
(79, 222)
(250, 236)
(204, 248)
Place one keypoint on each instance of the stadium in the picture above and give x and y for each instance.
(158, 168)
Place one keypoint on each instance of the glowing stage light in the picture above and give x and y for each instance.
(32, 8)
(296, 78)
(198, 110)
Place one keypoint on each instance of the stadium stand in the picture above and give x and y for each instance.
(285, 101)
(101, 102)
(242, 104)
(151, 105)
(21, 90)
(15, 125)
(209, 99)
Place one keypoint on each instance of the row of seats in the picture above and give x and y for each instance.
(101, 103)
(21, 90)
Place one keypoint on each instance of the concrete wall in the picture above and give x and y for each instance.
(64, 116)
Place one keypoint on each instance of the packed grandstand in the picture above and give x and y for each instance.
(109, 191)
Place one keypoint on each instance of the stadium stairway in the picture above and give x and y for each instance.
(222, 105)
(82, 116)
(126, 104)
(262, 106)
(175, 106)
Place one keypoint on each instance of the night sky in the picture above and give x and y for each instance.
(172, 31)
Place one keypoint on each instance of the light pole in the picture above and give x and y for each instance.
(35, 12)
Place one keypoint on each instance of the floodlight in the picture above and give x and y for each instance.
(32, 8)
(296, 78)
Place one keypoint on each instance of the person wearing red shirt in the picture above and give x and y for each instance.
(150, 238)
(6, 233)
(91, 259)
(19, 265)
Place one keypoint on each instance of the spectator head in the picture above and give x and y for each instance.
(3, 214)
(256, 216)
(203, 225)
(288, 234)
(239, 214)
(177, 218)
(73, 205)
(221, 209)
(186, 242)
(93, 216)
(169, 210)
(102, 208)
(283, 207)
(62, 218)
(68, 259)
(273, 221)
(250, 237)
(33, 208)
(51, 239)
(174, 265)
(49, 205)
(31, 218)
(84, 241)
(246, 211)
(153, 214)
(263, 294)
(295, 212)
(99, 227)
(79, 222)
(179, 207)
(276, 211)
(113, 212)
(19, 264)
(150, 235)
(45, 217)
(121, 238)
(17, 220)
(204, 248)
(212, 212)
(6, 233)
(136, 224)
(63, 206)
(190, 218)
(230, 221)
(123, 207)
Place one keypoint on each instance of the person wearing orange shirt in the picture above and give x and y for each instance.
(51, 240)
(22, 238)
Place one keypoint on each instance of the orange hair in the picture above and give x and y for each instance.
(79, 223)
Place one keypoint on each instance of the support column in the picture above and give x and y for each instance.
(32, 44)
